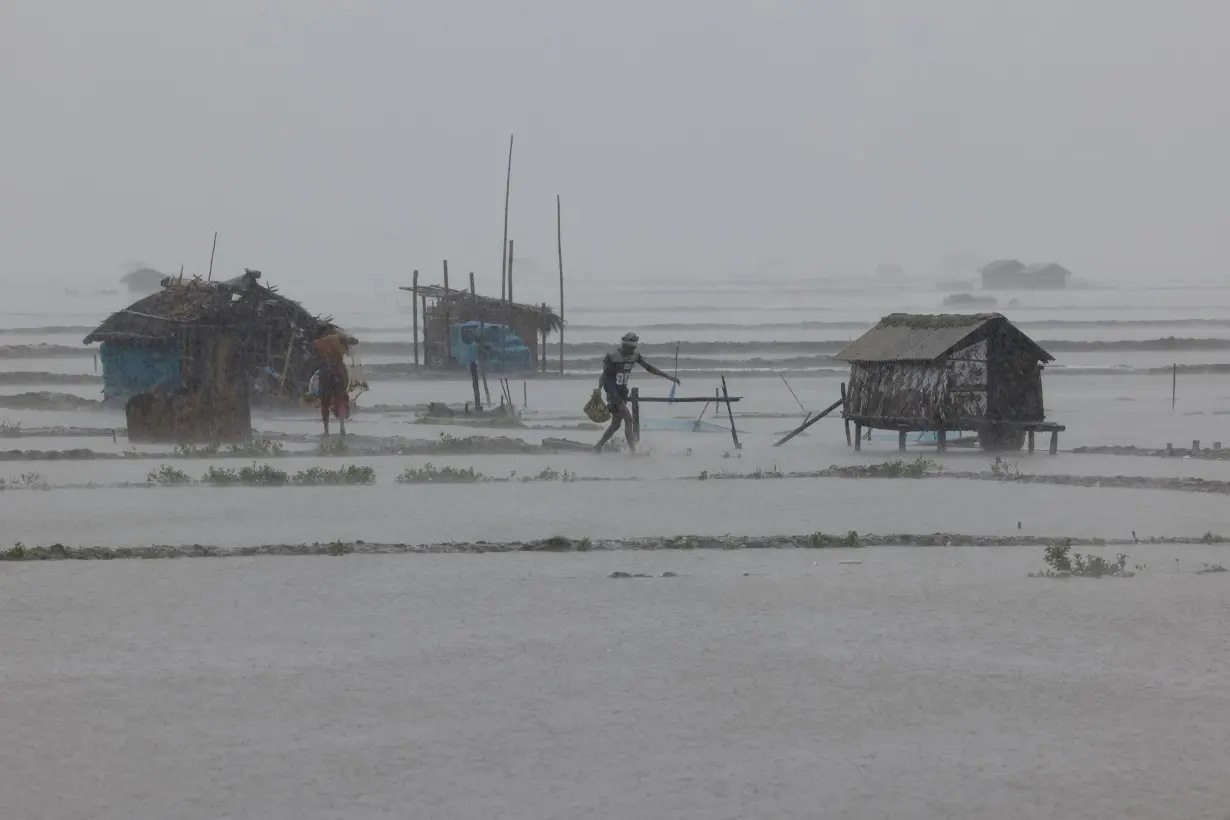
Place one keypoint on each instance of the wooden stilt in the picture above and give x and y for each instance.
(901, 441)
(858, 436)
(414, 303)
(941, 440)
(730, 414)
(844, 410)
(808, 422)
(636, 415)
(1030, 435)
(1054, 442)
(478, 404)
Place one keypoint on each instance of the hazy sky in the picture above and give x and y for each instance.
(367, 138)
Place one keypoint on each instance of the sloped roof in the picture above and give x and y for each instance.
(197, 302)
(1040, 267)
(542, 314)
(918, 337)
(1002, 266)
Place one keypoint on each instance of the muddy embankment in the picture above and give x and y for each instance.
(1204, 453)
(20, 377)
(851, 540)
(44, 400)
(44, 351)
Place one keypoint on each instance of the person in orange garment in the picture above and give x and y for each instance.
(331, 349)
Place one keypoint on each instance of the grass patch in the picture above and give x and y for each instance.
(168, 476)
(1005, 469)
(263, 447)
(819, 540)
(25, 481)
(193, 451)
(10, 428)
(430, 474)
(346, 474)
(550, 474)
(257, 475)
(332, 447)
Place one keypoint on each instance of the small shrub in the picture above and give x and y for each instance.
(17, 552)
(819, 539)
(704, 475)
(166, 475)
(430, 474)
(1212, 538)
(1005, 469)
(192, 451)
(550, 474)
(339, 548)
(259, 447)
(1211, 568)
(263, 475)
(220, 476)
(1063, 562)
(347, 474)
(10, 428)
(25, 481)
(762, 473)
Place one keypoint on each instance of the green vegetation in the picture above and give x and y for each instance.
(17, 552)
(918, 468)
(258, 447)
(548, 474)
(168, 476)
(819, 539)
(1212, 538)
(1005, 469)
(430, 474)
(332, 447)
(10, 428)
(1062, 562)
(346, 474)
(257, 475)
(25, 481)
(193, 451)
(339, 548)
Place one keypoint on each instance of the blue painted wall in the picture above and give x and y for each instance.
(131, 369)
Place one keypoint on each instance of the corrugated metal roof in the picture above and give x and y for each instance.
(910, 337)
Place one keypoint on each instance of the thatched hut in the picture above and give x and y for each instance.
(1010, 274)
(185, 360)
(440, 308)
(947, 373)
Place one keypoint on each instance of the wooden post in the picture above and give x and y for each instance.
(473, 293)
(858, 436)
(808, 422)
(1054, 442)
(941, 440)
(414, 303)
(448, 321)
(635, 395)
(1174, 385)
(211, 260)
(1031, 440)
(426, 345)
(478, 404)
(504, 244)
(844, 410)
(525, 395)
(510, 264)
(730, 414)
(559, 244)
(901, 440)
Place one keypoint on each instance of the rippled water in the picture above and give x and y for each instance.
(920, 683)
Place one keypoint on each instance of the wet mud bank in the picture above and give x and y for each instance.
(1206, 453)
(851, 540)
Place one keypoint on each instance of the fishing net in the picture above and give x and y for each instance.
(596, 408)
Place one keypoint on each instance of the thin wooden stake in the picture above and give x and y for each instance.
(510, 267)
(559, 244)
(734, 434)
(211, 259)
(414, 303)
(1174, 386)
(504, 244)
(808, 422)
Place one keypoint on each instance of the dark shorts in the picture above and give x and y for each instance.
(615, 396)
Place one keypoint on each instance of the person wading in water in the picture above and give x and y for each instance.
(616, 368)
(331, 350)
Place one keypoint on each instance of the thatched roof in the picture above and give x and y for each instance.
(542, 315)
(915, 337)
(235, 303)
(1002, 267)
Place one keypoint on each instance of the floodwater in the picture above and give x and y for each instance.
(919, 683)
(924, 682)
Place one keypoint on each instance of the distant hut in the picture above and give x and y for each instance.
(440, 309)
(947, 373)
(143, 280)
(1009, 274)
(185, 360)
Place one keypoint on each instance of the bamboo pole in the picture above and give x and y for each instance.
(414, 303)
(730, 413)
(510, 271)
(211, 259)
(809, 422)
(559, 245)
(507, 191)
(448, 331)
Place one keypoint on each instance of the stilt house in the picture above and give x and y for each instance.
(947, 373)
